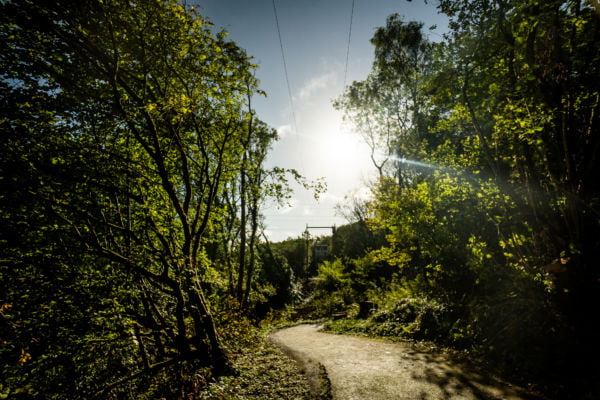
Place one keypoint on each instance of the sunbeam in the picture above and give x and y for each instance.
(421, 164)
(418, 164)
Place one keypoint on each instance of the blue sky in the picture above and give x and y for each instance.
(315, 40)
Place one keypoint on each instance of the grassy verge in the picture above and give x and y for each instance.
(263, 373)
(365, 327)
(394, 332)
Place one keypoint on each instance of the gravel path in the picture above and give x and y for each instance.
(363, 368)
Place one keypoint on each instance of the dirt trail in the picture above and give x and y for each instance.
(363, 368)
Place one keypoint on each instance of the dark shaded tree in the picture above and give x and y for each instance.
(123, 123)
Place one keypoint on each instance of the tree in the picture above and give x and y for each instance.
(535, 123)
(508, 133)
(528, 79)
(390, 109)
(241, 222)
(129, 121)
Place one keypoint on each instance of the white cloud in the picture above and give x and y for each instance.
(284, 131)
(315, 84)
(308, 210)
(280, 234)
(329, 197)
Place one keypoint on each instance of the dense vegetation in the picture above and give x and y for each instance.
(132, 169)
(486, 146)
(132, 178)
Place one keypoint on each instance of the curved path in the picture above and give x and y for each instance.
(363, 368)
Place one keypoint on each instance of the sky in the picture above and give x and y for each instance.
(313, 138)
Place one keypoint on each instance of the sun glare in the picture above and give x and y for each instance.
(343, 158)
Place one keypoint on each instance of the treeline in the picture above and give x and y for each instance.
(132, 173)
(486, 144)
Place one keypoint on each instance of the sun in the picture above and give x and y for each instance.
(341, 156)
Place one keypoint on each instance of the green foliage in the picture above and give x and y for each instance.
(410, 318)
(277, 275)
(330, 276)
(355, 239)
(494, 147)
(124, 127)
(264, 373)
(331, 289)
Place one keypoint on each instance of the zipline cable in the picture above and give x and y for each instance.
(348, 48)
(287, 79)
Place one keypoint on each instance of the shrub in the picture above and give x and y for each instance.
(330, 277)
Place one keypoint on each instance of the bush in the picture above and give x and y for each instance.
(419, 318)
(330, 277)
(433, 322)
(328, 305)
(404, 311)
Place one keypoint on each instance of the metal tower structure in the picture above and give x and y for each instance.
(306, 236)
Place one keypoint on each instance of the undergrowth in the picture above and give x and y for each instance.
(263, 373)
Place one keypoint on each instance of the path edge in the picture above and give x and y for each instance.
(315, 372)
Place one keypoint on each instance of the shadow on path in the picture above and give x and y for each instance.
(460, 379)
(362, 368)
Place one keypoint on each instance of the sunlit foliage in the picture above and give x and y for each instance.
(125, 125)
(491, 215)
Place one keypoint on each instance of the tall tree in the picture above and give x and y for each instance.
(511, 99)
(529, 86)
(130, 121)
(390, 109)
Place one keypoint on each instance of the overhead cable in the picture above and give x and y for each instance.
(348, 48)
(287, 79)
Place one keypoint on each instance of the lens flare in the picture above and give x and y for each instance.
(415, 163)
